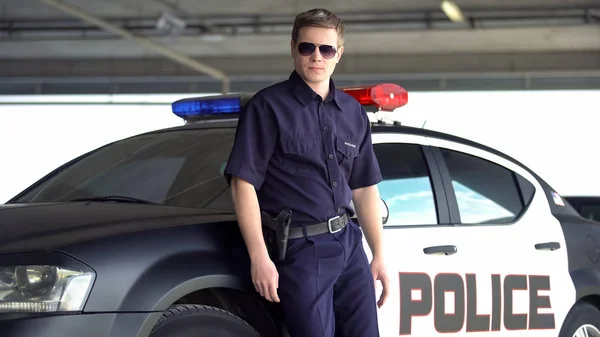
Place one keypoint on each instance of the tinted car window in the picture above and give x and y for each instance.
(590, 211)
(587, 206)
(177, 168)
(486, 192)
(406, 185)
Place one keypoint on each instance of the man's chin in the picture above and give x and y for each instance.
(315, 77)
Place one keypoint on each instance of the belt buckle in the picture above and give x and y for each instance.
(329, 224)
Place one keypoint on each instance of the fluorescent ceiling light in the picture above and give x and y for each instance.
(171, 23)
(452, 10)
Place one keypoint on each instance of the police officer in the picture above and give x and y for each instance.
(302, 144)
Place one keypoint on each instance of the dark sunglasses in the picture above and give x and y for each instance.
(307, 48)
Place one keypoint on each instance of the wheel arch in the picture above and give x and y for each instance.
(201, 278)
(587, 285)
(198, 284)
(176, 275)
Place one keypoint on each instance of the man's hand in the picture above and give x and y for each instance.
(265, 278)
(379, 270)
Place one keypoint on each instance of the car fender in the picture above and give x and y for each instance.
(149, 270)
(587, 282)
(178, 275)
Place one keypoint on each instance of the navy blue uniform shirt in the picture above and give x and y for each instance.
(303, 153)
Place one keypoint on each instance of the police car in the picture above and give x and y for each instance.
(139, 238)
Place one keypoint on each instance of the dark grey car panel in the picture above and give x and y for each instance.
(90, 325)
(150, 270)
(35, 227)
(583, 246)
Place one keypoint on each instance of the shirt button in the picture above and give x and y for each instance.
(330, 156)
(335, 183)
(325, 129)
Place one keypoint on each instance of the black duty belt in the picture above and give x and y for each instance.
(332, 225)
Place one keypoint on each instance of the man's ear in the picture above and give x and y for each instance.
(292, 47)
(339, 53)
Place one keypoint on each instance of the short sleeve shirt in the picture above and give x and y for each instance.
(304, 153)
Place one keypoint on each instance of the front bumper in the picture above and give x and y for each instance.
(88, 325)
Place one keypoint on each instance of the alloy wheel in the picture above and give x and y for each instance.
(587, 330)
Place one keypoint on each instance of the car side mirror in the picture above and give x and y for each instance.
(385, 211)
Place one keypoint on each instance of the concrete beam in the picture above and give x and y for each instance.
(499, 40)
(189, 84)
(209, 8)
(350, 65)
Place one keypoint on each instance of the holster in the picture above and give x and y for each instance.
(276, 232)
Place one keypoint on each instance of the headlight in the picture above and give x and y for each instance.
(43, 288)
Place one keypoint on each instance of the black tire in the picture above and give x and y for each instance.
(582, 313)
(201, 321)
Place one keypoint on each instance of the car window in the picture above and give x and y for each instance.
(590, 211)
(406, 187)
(177, 168)
(485, 191)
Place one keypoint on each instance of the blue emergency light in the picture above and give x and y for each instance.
(206, 106)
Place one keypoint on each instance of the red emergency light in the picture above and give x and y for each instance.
(385, 96)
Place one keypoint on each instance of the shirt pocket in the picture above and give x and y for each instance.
(299, 154)
(347, 150)
(347, 147)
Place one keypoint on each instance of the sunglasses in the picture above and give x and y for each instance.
(307, 48)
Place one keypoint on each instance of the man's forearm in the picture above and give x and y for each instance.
(366, 203)
(248, 215)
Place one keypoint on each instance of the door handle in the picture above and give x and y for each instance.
(548, 246)
(446, 250)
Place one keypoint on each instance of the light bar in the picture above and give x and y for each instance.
(206, 106)
(386, 96)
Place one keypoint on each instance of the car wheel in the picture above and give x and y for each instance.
(582, 321)
(201, 321)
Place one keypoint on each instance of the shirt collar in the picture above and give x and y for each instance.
(305, 94)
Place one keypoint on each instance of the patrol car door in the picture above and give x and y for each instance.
(512, 277)
(418, 239)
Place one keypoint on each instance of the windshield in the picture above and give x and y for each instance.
(176, 168)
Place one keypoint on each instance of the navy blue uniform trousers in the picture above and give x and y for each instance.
(326, 286)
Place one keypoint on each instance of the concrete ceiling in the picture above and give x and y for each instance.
(503, 44)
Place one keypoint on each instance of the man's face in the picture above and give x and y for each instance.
(316, 67)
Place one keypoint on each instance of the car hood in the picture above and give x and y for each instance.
(35, 227)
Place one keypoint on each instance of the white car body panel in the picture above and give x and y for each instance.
(487, 257)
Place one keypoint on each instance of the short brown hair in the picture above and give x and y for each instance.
(318, 17)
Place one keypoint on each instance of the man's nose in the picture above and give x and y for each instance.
(316, 56)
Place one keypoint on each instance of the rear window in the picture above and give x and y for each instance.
(591, 212)
(177, 168)
(587, 207)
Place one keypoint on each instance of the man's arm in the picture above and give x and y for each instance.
(264, 274)
(248, 216)
(368, 211)
(366, 203)
(363, 181)
(255, 141)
